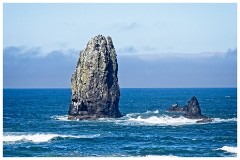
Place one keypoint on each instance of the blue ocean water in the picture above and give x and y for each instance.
(35, 124)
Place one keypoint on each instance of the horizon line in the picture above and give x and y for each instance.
(132, 88)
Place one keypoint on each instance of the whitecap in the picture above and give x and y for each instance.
(227, 96)
(229, 149)
(34, 138)
(165, 120)
(145, 119)
(61, 118)
(147, 112)
(41, 137)
(219, 120)
(162, 120)
(132, 114)
(154, 112)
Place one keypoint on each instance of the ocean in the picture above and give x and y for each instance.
(35, 124)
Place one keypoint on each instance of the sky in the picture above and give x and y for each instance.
(158, 45)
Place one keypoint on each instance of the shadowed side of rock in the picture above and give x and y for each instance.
(193, 111)
(94, 83)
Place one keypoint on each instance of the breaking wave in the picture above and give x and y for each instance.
(228, 149)
(150, 118)
(153, 112)
(61, 118)
(219, 120)
(166, 120)
(41, 137)
(162, 120)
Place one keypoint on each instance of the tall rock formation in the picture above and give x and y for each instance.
(94, 83)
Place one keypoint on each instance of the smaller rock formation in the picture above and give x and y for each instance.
(192, 111)
(175, 108)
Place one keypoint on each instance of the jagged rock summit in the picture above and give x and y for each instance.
(193, 109)
(94, 83)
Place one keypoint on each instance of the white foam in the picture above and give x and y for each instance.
(147, 112)
(132, 114)
(155, 112)
(34, 138)
(228, 149)
(40, 137)
(163, 120)
(144, 119)
(219, 120)
(61, 118)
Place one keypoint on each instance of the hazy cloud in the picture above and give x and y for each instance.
(22, 51)
(231, 53)
(156, 56)
(126, 50)
(149, 49)
(172, 71)
(55, 69)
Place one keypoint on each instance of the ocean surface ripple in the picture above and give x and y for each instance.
(35, 124)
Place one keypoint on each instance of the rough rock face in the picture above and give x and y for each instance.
(94, 83)
(193, 109)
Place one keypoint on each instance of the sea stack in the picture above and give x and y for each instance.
(193, 110)
(94, 83)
